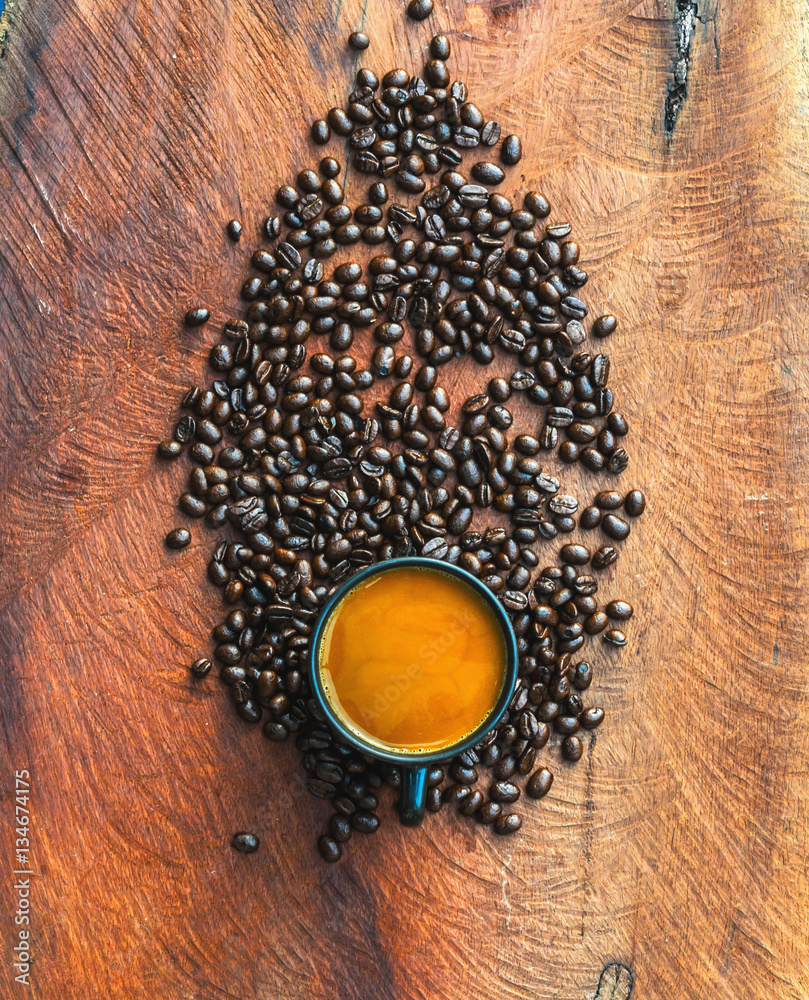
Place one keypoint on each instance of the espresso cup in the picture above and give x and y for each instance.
(483, 636)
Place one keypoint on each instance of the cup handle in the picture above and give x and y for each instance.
(412, 795)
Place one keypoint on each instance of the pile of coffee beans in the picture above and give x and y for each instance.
(327, 439)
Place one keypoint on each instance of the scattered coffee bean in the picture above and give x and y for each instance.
(539, 784)
(178, 538)
(419, 10)
(197, 316)
(244, 843)
(634, 503)
(310, 477)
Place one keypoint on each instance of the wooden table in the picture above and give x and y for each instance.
(678, 846)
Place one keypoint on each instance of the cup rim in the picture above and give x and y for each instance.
(404, 758)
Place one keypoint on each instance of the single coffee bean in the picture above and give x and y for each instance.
(609, 500)
(201, 667)
(575, 555)
(511, 150)
(507, 823)
(359, 40)
(329, 849)
(489, 812)
(539, 784)
(634, 503)
(234, 230)
(197, 316)
(619, 610)
(603, 557)
(615, 637)
(592, 717)
(590, 518)
(615, 527)
(604, 326)
(572, 748)
(178, 538)
(419, 10)
(244, 843)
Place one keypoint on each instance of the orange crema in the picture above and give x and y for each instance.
(413, 660)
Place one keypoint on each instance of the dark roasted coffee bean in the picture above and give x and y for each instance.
(605, 556)
(576, 555)
(456, 793)
(486, 172)
(592, 717)
(358, 40)
(539, 784)
(615, 527)
(244, 843)
(489, 812)
(329, 849)
(234, 230)
(507, 823)
(590, 518)
(511, 150)
(178, 538)
(604, 326)
(634, 503)
(197, 316)
(617, 424)
(615, 637)
(320, 132)
(572, 748)
(619, 610)
(201, 667)
(609, 500)
(596, 622)
(419, 10)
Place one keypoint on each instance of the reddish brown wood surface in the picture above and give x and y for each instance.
(678, 846)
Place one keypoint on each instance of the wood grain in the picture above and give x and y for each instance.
(678, 847)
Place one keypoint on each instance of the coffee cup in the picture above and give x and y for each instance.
(412, 662)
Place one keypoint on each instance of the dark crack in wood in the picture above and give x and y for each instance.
(616, 983)
(685, 19)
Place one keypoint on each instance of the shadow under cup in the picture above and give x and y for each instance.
(414, 765)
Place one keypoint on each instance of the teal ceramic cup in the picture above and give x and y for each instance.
(414, 767)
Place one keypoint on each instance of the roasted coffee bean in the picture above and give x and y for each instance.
(419, 10)
(604, 326)
(596, 622)
(244, 843)
(590, 518)
(197, 316)
(511, 150)
(581, 676)
(234, 230)
(615, 637)
(572, 748)
(576, 555)
(489, 812)
(329, 849)
(507, 823)
(619, 610)
(609, 500)
(539, 784)
(615, 527)
(603, 557)
(634, 503)
(178, 538)
(592, 717)
(358, 40)
(201, 667)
